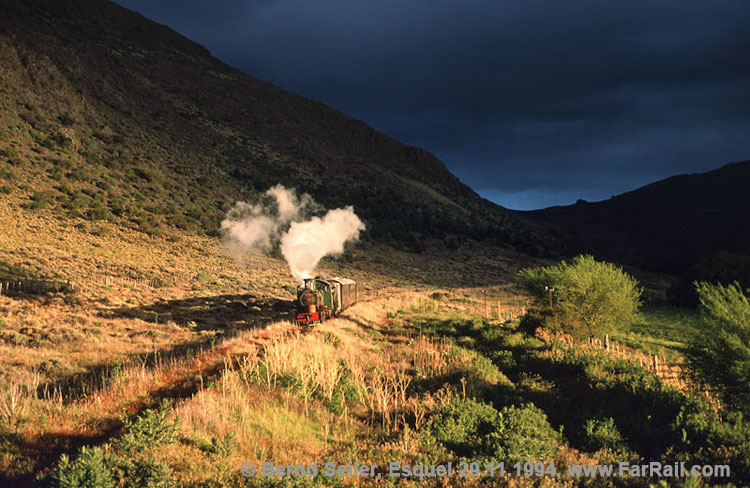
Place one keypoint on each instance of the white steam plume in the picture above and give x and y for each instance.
(306, 243)
(258, 226)
(281, 218)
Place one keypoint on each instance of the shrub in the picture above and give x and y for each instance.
(602, 434)
(142, 473)
(88, 470)
(476, 430)
(590, 298)
(503, 359)
(523, 434)
(720, 356)
(97, 212)
(224, 446)
(151, 428)
(148, 225)
(41, 200)
(95, 469)
(710, 438)
(463, 426)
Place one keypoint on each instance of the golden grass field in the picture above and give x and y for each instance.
(176, 324)
(73, 363)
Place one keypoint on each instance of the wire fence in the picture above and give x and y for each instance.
(41, 286)
(670, 371)
(34, 286)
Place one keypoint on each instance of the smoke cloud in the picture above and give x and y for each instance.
(281, 218)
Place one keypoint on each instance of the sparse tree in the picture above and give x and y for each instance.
(585, 298)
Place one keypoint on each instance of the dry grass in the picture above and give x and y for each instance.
(72, 363)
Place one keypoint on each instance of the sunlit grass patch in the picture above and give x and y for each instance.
(662, 330)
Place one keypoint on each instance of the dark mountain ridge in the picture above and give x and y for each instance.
(108, 115)
(668, 225)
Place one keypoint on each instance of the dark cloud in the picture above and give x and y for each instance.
(531, 102)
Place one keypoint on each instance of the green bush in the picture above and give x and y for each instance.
(150, 428)
(141, 473)
(224, 446)
(713, 439)
(97, 212)
(589, 297)
(41, 199)
(148, 225)
(523, 434)
(89, 470)
(463, 426)
(125, 465)
(720, 355)
(95, 469)
(476, 430)
(503, 359)
(723, 267)
(602, 434)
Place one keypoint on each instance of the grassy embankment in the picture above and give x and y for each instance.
(416, 380)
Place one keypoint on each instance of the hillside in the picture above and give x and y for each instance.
(667, 225)
(137, 349)
(109, 116)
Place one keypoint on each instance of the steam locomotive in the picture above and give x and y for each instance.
(322, 298)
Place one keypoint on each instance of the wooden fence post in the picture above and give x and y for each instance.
(656, 363)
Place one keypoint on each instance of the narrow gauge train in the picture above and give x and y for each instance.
(321, 298)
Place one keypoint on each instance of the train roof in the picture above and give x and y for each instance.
(343, 281)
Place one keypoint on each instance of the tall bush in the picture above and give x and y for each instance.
(588, 298)
(720, 356)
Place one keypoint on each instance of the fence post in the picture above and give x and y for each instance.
(656, 363)
(606, 342)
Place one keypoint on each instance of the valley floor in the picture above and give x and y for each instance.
(168, 360)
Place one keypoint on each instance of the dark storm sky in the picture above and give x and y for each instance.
(531, 103)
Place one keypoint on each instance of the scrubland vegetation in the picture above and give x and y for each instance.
(166, 361)
(109, 384)
(415, 380)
